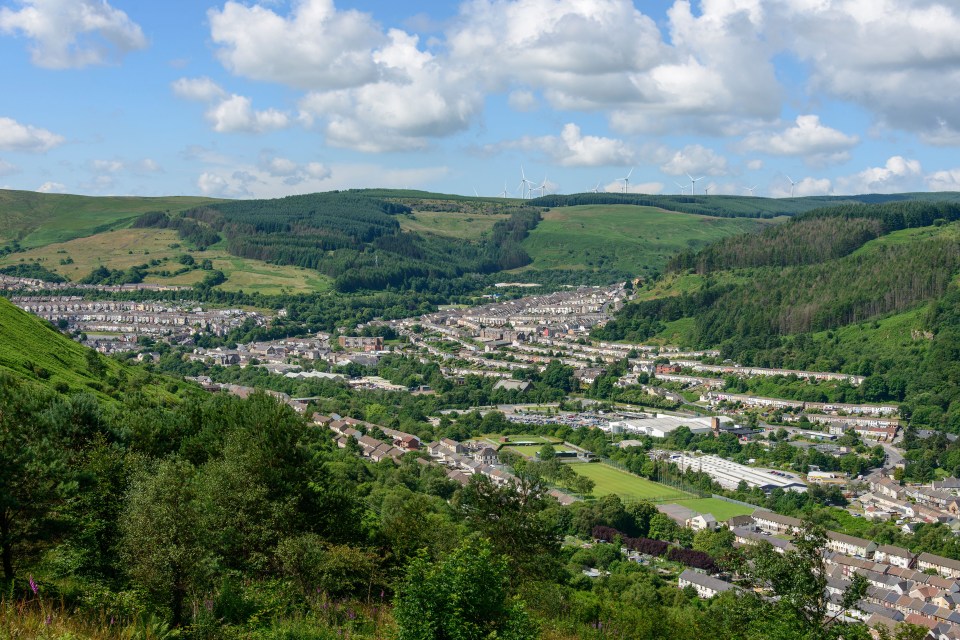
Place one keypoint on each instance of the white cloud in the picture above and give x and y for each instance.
(572, 149)
(693, 159)
(947, 180)
(810, 139)
(7, 169)
(24, 137)
(316, 47)
(755, 165)
(899, 174)
(269, 179)
(52, 187)
(200, 89)
(145, 165)
(237, 114)
(73, 33)
(899, 59)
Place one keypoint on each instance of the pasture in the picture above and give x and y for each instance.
(626, 485)
(125, 248)
(38, 219)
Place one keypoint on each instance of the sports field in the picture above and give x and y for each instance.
(626, 485)
(530, 450)
(720, 509)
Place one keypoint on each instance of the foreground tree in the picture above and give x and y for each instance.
(161, 544)
(463, 597)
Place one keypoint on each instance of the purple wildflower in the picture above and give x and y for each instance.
(208, 604)
(381, 594)
(47, 620)
(111, 621)
(33, 585)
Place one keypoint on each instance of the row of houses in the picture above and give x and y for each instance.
(716, 397)
(903, 586)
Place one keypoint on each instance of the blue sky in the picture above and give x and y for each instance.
(271, 98)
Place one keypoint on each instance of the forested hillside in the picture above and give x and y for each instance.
(355, 239)
(735, 206)
(779, 298)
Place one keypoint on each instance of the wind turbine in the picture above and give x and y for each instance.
(626, 181)
(524, 187)
(683, 187)
(706, 190)
(543, 187)
(792, 185)
(750, 189)
(475, 192)
(503, 194)
(596, 189)
(693, 184)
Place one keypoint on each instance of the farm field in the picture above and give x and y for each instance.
(626, 485)
(125, 248)
(720, 509)
(623, 237)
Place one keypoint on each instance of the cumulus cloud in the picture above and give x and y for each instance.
(200, 89)
(573, 149)
(899, 59)
(693, 159)
(73, 33)
(804, 187)
(897, 175)
(946, 180)
(52, 187)
(236, 113)
(144, 165)
(24, 137)
(808, 138)
(316, 47)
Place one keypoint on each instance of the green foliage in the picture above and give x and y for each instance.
(463, 597)
(32, 270)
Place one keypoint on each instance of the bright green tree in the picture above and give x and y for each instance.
(463, 597)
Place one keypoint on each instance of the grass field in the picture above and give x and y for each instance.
(720, 509)
(621, 237)
(626, 485)
(525, 438)
(469, 226)
(37, 219)
(125, 248)
(530, 450)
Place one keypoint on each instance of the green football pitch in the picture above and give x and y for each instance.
(626, 485)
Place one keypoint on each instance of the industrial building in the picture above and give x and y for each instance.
(729, 474)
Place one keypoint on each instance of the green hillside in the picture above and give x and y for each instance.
(611, 242)
(32, 350)
(36, 219)
(738, 206)
(864, 289)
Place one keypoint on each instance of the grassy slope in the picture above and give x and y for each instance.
(41, 218)
(29, 346)
(622, 237)
(470, 226)
(125, 248)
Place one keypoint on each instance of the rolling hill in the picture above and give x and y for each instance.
(378, 239)
(863, 289)
(37, 219)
